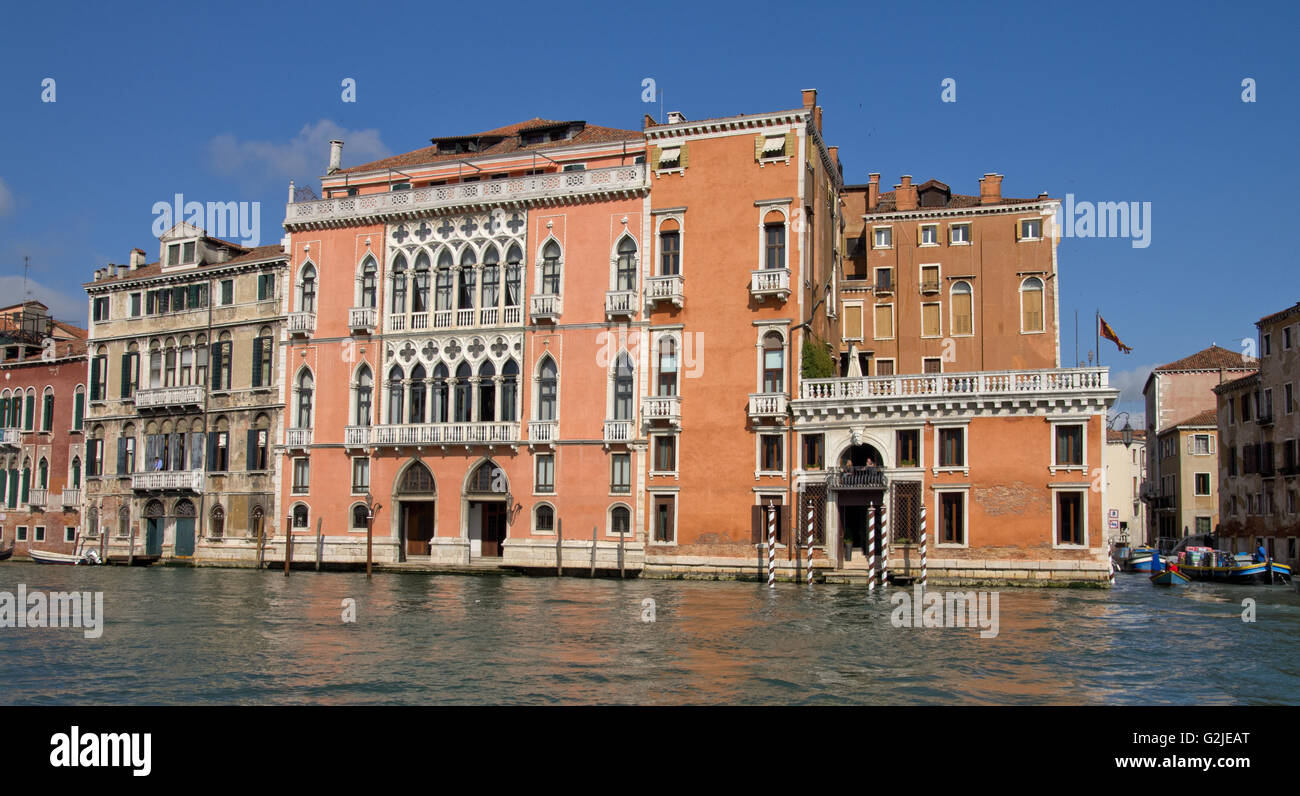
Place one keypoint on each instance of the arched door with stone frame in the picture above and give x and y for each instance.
(416, 498)
(486, 505)
(153, 528)
(184, 544)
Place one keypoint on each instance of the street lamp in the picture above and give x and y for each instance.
(371, 508)
(1126, 432)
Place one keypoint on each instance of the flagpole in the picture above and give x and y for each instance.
(1076, 337)
(1096, 327)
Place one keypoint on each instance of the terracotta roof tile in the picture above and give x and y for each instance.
(1212, 358)
(1210, 417)
(155, 269)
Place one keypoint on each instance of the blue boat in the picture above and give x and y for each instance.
(1170, 577)
(1223, 567)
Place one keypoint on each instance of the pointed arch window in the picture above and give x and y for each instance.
(395, 395)
(369, 282)
(307, 289)
(623, 376)
(468, 282)
(491, 277)
(43, 474)
(76, 472)
(487, 392)
(420, 297)
(547, 387)
(418, 395)
(514, 275)
(509, 390)
(551, 269)
(773, 363)
(364, 396)
(217, 528)
(625, 276)
(305, 389)
(440, 396)
(443, 282)
(464, 394)
(399, 285)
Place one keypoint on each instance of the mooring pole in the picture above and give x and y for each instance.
(771, 546)
(884, 544)
(130, 552)
(288, 543)
(320, 542)
(559, 547)
(620, 555)
(593, 551)
(261, 545)
(871, 547)
(923, 540)
(811, 519)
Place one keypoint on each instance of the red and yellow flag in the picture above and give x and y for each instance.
(1105, 331)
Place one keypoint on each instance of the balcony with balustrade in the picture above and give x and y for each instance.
(767, 406)
(618, 432)
(298, 438)
(463, 318)
(10, 438)
(773, 282)
(670, 289)
(36, 498)
(162, 398)
(363, 320)
(168, 481)
(440, 434)
(356, 437)
(71, 498)
(545, 308)
(662, 409)
(565, 187)
(543, 432)
(620, 304)
(302, 323)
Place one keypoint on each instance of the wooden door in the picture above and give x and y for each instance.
(184, 536)
(492, 519)
(419, 528)
(153, 536)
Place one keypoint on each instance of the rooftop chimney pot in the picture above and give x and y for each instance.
(336, 156)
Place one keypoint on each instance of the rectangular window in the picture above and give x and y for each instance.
(188, 252)
(665, 519)
(1288, 399)
(301, 475)
(929, 279)
(1031, 229)
(884, 321)
(21, 533)
(909, 447)
(883, 238)
(1069, 517)
(813, 451)
(135, 305)
(670, 253)
(265, 287)
(174, 254)
(884, 280)
(545, 477)
(665, 454)
(360, 474)
(101, 309)
(70, 533)
(1069, 446)
(959, 234)
(852, 321)
(620, 473)
(952, 447)
(39, 533)
(930, 326)
(884, 367)
(227, 292)
(952, 518)
(1201, 444)
(928, 235)
(931, 365)
(774, 235)
(1202, 484)
(770, 450)
(1268, 344)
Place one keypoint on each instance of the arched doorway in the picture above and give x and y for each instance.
(861, 490)
(417, 502)
(486, 491)
(153, 528)
(184, 545)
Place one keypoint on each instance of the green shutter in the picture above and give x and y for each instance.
(47, 420)
(78, 409)
(94, 379)
(216, 366)
(250, 451)
(257, 361)
(31, 413)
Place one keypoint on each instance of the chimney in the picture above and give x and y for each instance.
(336, 156)
(676, 117)
(835, 154)
(648, 122)
(990, 189)
(817, 116)
(809, 98)
(905, 194)
(873, 192)
(137, 258)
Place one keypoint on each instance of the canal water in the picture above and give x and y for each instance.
(211, 636)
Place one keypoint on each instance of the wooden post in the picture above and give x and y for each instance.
(593, 551)
(559, 547)
(320, 542)
(620, 555)
(130, 551)
(288, 544)
(370, 538)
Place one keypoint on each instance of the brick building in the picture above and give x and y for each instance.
(42, 401)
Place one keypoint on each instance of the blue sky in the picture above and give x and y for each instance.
(1108, 101)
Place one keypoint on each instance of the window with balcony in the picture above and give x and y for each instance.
(508, 409)
(773, 363)
(126, 451)
(1031, 305)
(420, 284)
(666, 378)
(514, 276)
(369, 283)
(491, 278)
(304, 394)
(623, 387)
(884, 280)
(467, 292)
(487, 392)
(416, 386)
(463, 394)
(441, 402)
(362, 396)
(307, 289)
(929, 279)
(550, 281)
(396, 394)
(625, 267)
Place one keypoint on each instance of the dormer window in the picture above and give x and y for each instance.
(187, 255)
(774, 146)
(174, 254)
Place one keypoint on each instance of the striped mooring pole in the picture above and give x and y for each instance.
(771, 546)
(884, 544)
(871, 547)
(1110, 579)
(924, 538)
(811, 517)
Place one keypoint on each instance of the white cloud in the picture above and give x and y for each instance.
(6, 199)
(64, 305)
(303, 158)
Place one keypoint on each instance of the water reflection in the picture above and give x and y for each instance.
(227, 636)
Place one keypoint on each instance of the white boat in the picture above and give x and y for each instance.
(48, 557)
